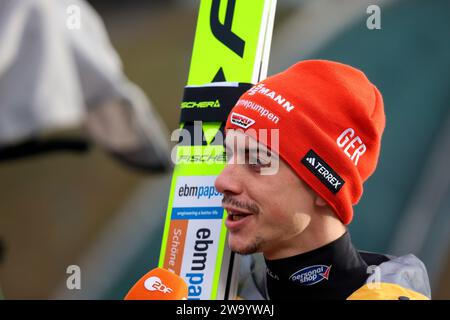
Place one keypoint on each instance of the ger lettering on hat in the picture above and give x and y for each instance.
(330, 119)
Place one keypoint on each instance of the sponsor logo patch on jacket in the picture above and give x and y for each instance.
(311, 275)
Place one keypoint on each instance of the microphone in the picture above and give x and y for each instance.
(159, 284)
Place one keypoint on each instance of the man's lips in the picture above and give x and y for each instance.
(235, 211)
(236, 218)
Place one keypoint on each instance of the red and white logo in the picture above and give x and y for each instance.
(155, 284)
(241, 120)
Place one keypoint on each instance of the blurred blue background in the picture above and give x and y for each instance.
(60, 209)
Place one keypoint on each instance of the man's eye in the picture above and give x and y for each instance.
(256, 162)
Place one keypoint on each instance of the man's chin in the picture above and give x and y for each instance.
(243, 249)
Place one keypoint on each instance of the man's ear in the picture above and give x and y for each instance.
(318, 201)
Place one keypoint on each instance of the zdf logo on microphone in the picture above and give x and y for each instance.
(155, 284)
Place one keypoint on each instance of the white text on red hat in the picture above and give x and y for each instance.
(353, 148)
(278, 98)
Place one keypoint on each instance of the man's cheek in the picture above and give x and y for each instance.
(275, 215)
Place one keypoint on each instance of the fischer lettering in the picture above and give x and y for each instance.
(278, 98)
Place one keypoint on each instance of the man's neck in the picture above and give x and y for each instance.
(332, 271)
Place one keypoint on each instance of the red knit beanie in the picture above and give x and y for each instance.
(330, 119)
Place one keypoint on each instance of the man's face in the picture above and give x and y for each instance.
(266, 213)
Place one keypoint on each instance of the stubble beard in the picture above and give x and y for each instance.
(254, 247)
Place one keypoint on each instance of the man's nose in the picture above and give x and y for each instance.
(229, 180)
